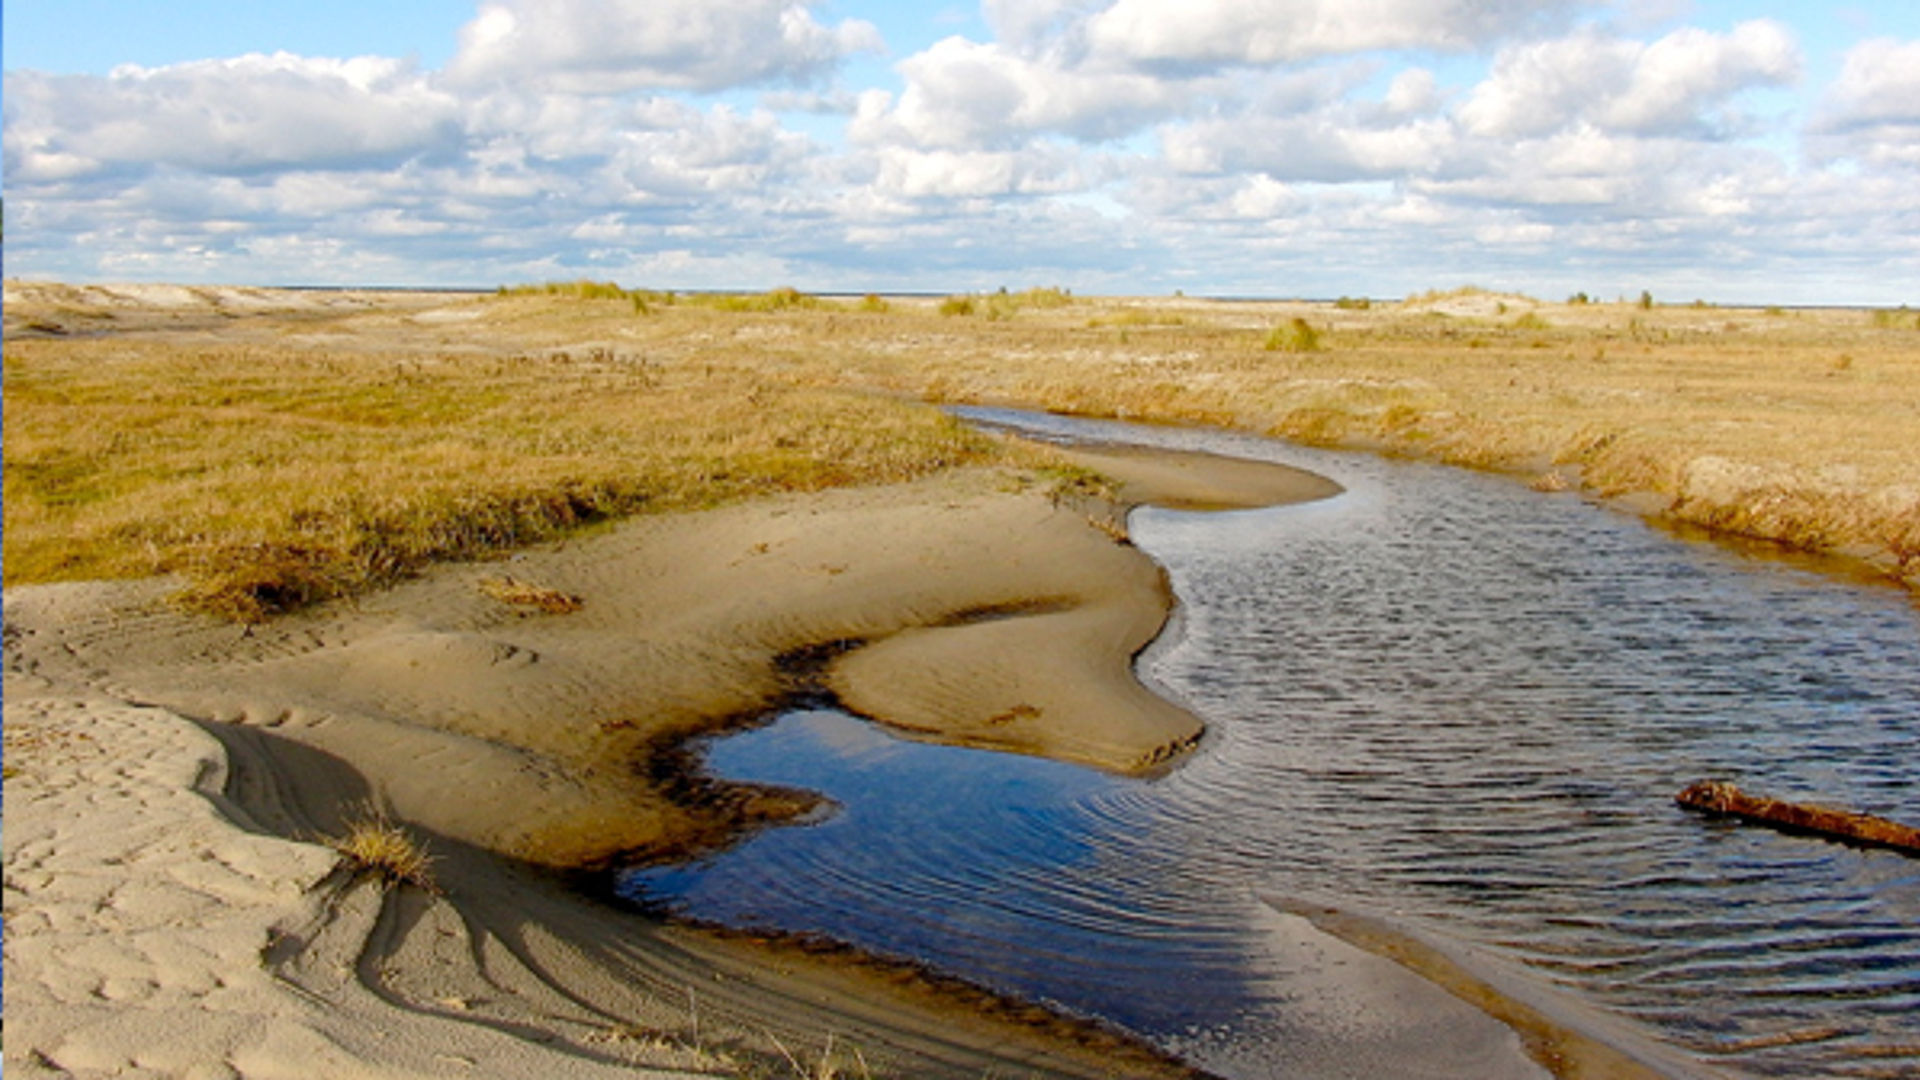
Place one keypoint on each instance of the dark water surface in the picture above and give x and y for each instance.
(1440, 697)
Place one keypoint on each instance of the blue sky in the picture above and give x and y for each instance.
(1717, 150)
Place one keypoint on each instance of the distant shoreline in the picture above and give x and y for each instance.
(931, 294)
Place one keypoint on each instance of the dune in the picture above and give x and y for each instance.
(173, 907)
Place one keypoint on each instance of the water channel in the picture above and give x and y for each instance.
(1441, 698)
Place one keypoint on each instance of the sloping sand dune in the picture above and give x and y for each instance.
(173, 910)
(171, 913)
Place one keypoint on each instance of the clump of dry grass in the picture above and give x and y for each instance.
(1113, 528)
(1297, 336)
(374, 845)
(512, 591)
(785, 298)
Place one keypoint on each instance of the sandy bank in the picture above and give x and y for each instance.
(170, 913)
(168, 909)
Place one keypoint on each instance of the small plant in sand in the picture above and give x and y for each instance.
(513, 591)
(956, 306)
(1115, 528)
(1901, 318)
(830, 1066)
(1297, 336)
(374, 844)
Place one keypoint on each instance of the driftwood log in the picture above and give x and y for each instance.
(1718, 797)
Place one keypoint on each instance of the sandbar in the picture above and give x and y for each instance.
(172, 907)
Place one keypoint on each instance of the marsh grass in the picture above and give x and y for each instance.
(785, 298)
(1297, 335)
(270, 473)
(271, 477)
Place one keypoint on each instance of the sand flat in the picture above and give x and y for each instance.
(170, 776)
(171, 911)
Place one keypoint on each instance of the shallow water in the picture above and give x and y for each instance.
(1440, 697)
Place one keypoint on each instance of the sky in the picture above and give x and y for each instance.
(1695, 149)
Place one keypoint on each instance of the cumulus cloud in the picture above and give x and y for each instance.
(1187, 33)
(1030, 23)
(611, 46)
(1039, 170)
(1879, 83)
(1872, 111)
(962, 93)
(1325, 147)
(225, 116)
(1680, 84)
(1237, 145)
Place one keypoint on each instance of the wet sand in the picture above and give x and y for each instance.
(171, 909)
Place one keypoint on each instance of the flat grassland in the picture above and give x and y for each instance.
(275, 447)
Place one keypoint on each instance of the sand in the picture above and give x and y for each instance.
(172, 910)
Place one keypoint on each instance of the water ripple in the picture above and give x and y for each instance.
(1439, 697)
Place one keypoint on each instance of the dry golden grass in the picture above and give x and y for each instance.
(374, 845)
(282, 456)
(517, 593)
(272, 472)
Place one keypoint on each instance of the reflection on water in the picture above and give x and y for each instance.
(1439, 696)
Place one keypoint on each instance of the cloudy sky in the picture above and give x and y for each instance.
(1697, 148)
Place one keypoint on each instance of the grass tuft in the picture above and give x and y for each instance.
(376, 846)
(517, 593)
(1296, 336)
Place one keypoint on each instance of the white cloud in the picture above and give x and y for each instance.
(1671, 86)
(947, 173)
(612, 46)
(1413, 92)
(1871, 113)
(1187, 33)
(1027, 23)
(1678, 77)
(907, 172)
(1879, 83)
(225, 116)
(1327, 147)
(964, 94)
(1258, 146)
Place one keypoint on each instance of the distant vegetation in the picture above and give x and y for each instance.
(1901, 318)
(272, 475)
(1005, 305)
(1296, 336)
(643, 300)
(329, 453)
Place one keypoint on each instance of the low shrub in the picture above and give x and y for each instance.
(1297, 336)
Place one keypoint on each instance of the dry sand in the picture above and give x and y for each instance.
(169, 911)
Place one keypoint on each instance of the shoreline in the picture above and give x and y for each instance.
(970, 594)
(500, 739)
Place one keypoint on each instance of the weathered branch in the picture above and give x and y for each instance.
(1718, 797)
